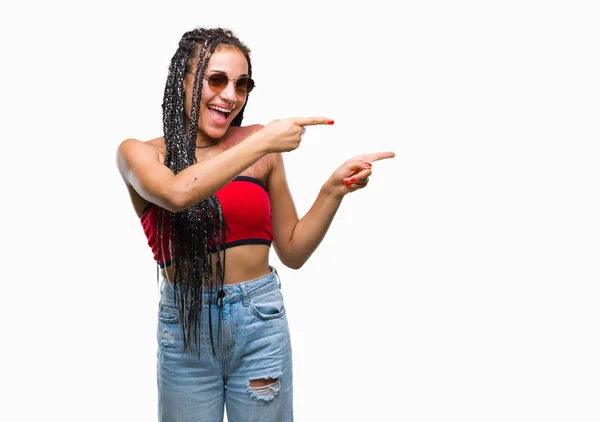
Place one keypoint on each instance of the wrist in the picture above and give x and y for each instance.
(257, 144)
(330, 190)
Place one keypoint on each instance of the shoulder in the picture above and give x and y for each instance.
(237, 134)
(242, 132)
(255, 127)
(132, 145)
(132, 150)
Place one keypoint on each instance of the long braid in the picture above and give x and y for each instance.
(198, 231)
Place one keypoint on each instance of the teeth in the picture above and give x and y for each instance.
(224, 110)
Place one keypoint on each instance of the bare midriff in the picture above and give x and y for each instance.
(242, 263)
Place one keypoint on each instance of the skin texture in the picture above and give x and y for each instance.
(254, 151)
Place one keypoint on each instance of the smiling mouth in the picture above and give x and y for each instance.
(220, 115)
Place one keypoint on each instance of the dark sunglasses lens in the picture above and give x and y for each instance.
(244, 85)
(250, 85)
(217, 82)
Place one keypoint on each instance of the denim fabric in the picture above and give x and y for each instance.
(254, 343)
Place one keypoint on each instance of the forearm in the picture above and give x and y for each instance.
(199, 181)
(311, 229)
(296, 240)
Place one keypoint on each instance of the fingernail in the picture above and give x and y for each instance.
(330, 122)
(353, 179)
(368, 164)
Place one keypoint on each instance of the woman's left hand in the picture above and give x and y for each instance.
(354, 174)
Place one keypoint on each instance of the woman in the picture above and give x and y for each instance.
(212, 197)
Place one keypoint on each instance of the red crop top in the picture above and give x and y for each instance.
(246, 211)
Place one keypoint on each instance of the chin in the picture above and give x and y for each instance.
(213, 130)
(217, 133)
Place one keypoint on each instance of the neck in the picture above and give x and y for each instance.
(208, 145)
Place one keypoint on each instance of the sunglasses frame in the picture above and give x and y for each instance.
(245, 92)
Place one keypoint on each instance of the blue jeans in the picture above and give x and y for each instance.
(254, 345)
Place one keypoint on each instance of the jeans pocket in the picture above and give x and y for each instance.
(168, 314)
(268, 305)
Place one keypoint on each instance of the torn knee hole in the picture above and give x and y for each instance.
(264, 388)
(262, 382)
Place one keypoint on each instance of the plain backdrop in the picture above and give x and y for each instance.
(461, 285)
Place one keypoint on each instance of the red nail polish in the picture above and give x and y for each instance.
(353, 179)
(368, 164)
(330, 122)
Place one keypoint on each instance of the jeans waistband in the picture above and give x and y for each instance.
(231, 292)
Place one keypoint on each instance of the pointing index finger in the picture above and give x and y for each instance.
(376, 156)
(309, 121)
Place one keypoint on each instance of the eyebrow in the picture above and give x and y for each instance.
(223, 73)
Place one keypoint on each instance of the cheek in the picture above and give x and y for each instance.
(204, 99)
(241, 101)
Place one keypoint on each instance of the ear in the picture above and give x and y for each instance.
(185, 84)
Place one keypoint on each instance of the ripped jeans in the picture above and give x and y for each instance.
(251, 374)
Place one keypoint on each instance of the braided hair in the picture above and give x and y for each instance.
(200, 229)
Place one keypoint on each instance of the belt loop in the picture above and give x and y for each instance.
(244, 294)
(277, 275)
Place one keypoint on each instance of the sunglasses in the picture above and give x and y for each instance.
(219, 81)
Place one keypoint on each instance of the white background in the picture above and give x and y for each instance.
(461, 285)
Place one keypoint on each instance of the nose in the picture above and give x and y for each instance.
(229, 94)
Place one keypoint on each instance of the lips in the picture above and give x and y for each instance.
(219, 114)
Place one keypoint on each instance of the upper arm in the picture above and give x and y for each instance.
(283, 209)
(140, 167)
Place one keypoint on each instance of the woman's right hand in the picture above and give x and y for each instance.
(283, 135)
